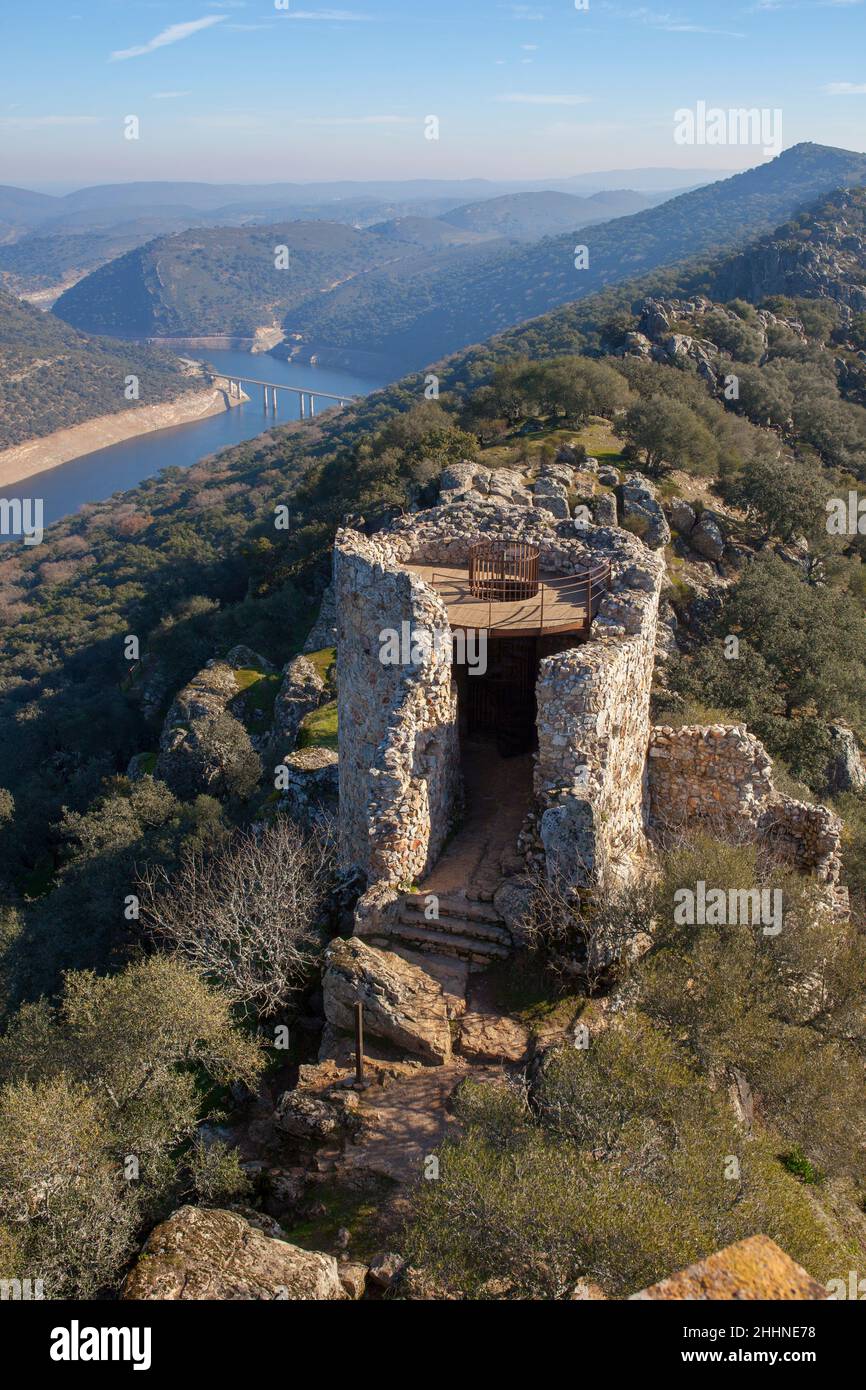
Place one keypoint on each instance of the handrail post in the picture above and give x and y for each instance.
(542, 609)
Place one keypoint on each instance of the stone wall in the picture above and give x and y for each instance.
(593, 730)
(399, 758)
(722, 776)
(398, 747)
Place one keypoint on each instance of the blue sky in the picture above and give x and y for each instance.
(248, 90)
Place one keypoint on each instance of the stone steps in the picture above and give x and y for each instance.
(457, 926)
(442, 943)
(455, 905)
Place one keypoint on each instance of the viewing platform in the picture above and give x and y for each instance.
(503, 592)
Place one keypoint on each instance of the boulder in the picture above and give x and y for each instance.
(402, 1003)
(755, 1268)
(492, 1038)
(552, 496)
(641, 508)
(513, 900)
(706, 537)
(681, 515)
(608, 475)
(316, 1117)
(385, 1269)
(845, 771)
(353, 1277)
(603, 508)
(311, 790)
(302, 691)
(204, 1253)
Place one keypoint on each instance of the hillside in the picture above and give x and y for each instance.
(222, 279)
(52, 376)
(436, 315)
(529, 216)
(225, 280)
(150, 775)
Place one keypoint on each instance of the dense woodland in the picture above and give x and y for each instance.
(192, 563)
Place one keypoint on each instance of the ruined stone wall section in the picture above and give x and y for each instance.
(593, 730)
(399, 757)
(721, 775)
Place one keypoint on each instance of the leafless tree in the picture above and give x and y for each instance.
(248, 917)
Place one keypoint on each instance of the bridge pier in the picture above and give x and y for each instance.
(312, 405)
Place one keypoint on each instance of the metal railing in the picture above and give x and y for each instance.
(592, 584)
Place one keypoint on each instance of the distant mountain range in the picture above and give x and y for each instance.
(224, 280)
(48, 243)
(417, 287)
(429, 314)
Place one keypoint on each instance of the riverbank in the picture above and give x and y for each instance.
(36, 455)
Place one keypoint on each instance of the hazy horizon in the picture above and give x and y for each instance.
(286, 91)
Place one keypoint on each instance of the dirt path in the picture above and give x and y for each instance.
(498, 792)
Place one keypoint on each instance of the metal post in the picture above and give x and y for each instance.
(360, 1083)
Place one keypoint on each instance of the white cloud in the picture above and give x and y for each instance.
(543, 99)
(845, 89)
(173, 34)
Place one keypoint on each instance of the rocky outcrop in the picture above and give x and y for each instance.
(751, 1269)
(203, 1253)
(460, 481)
(310, 785)
(204, 746)
(642, 513)
(323, 633)
(302, 691)
(845, 771)
(492, 1038)
(402, 1004)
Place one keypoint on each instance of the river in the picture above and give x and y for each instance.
(95, 476)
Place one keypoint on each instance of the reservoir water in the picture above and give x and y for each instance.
(95, 476)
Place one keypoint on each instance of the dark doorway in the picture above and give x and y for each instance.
(499, 706)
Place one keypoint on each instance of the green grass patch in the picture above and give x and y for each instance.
(324, 662)
(798, 1165)
(319, 729)
(259, 691)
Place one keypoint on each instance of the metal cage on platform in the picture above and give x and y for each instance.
(503, 570)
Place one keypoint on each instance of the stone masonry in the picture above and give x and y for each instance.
(399, 760)
(399, 755)
(721, 775)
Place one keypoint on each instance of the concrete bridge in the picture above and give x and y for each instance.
(308, 396)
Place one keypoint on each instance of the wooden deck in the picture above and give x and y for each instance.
(563, 604)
